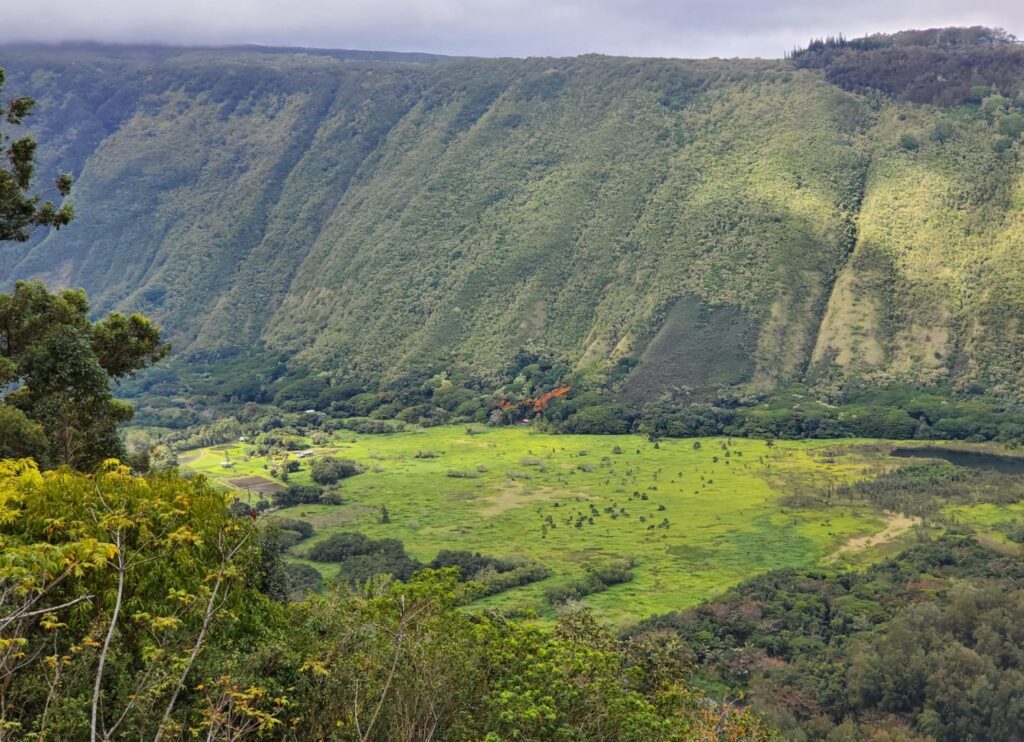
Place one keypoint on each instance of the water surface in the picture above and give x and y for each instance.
(970, 459)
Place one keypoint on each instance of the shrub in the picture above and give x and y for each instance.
(361, 558)
(304, 528)
(340, 546)
(332, 497)
(287, 538)
(359, 569)
(329, 470)
(910, 142)
(300, 395)
(302, 579)
(1011, 125)
(298, 494)
(365, 403)
(489, 581)
(240, 509)
(469, 563)
(604, 419)
(1015, 532)
(597, 579)
(415, 413)
(942, 132)
(366, 426)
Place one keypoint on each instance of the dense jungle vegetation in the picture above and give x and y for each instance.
(926, 646)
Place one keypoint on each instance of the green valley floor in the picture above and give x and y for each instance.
(696, 515)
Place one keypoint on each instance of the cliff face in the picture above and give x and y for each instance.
(725, 222)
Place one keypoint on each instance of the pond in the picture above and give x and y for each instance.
(971, 459)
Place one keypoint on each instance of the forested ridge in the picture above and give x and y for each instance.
(708, 224)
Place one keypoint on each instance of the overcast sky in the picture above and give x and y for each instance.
(676, 28)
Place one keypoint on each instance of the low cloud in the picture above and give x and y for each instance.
(683, 28)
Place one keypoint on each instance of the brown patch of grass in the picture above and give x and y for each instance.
(896, 524)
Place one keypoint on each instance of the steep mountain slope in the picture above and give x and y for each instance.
(933, 288)
(724, 222)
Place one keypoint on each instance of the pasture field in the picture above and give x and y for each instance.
(696, 515)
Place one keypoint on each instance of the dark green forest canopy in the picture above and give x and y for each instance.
(924, 646)
(941, 66)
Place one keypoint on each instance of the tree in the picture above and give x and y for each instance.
(20, 211)
(19, 436)
(1012, 125)
(61, 366)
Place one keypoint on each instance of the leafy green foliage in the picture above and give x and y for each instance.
(110, 587)
(61, 365)
(362, 558)
(898, 412)
(298, 494)
(141, 607)
(303, 528)
(597, 579)
(469, 564)
(20, 437)
(302, 580)
(427, 666)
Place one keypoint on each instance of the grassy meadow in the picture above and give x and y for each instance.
(696, 518)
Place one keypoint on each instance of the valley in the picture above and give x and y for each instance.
(363, 395)
(694, 516)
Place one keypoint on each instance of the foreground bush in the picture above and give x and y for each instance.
(111, 588)
(138, 607)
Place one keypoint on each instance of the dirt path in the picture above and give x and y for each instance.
(895, 525)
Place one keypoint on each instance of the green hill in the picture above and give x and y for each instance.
(854, 210)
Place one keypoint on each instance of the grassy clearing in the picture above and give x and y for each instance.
(492, 492)
(991, 522)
